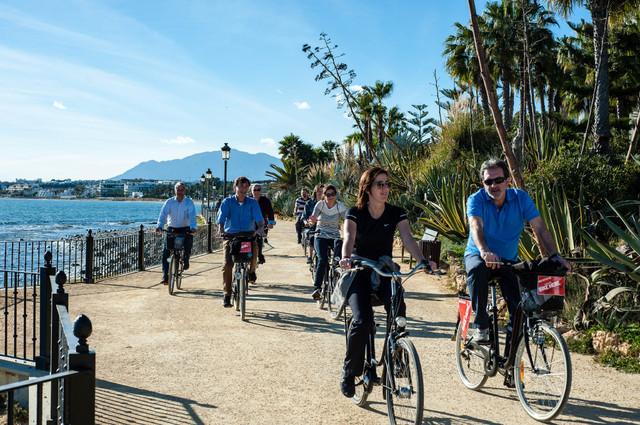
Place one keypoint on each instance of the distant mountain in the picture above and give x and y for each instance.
(190, 168)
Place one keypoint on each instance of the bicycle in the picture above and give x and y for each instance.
(401, 381)
(176, 263)
(331, 276)
(535, 348)
(241, 247)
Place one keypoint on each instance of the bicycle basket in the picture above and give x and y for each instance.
(241, 250)
(178, 242)
(542, 285)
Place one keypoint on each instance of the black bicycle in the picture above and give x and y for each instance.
(176, 261)
(241, 245)
(401, 380)
(331, 276)
(536, 360)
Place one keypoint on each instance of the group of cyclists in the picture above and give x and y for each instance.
(497, 215)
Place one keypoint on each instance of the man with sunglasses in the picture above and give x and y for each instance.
(269, 219)
(497, 215)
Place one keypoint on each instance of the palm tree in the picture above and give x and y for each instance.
(286, 177)
(380, 91)
(601, 11)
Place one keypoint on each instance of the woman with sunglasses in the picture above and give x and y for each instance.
(326, 215)
(369, 230)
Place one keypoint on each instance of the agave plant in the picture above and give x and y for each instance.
(629, 233)
(317, 174)
(286, 177)
(445, 205)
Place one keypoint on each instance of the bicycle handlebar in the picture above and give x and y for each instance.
(361, 261)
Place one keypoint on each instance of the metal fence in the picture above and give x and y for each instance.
(19, 314)
(62, 350)
(100, 255)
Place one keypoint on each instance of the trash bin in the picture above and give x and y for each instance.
(431, 250)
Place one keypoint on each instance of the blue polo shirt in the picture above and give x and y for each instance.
(502, 227)
(238, 218)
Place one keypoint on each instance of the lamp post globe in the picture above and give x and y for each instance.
(202, 181)
(208, 176)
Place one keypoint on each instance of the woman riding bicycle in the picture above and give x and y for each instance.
(369, 229)
(326, 215)
(308, 212)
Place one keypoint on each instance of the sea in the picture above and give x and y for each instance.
(52, 219)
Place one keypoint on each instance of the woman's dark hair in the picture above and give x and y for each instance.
(366, 180)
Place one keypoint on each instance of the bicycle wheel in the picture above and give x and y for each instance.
(179, 269)
(543, 382)
(405, 393)
(243, 294)
(236, 289)
(173, 268)
(364, 385)
(470, 363)
(331, 284)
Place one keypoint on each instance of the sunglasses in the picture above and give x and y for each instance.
(382, 185)
(257, 189)
(330, 194)
(497, 180)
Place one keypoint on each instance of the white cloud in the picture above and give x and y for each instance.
(180, 140)
(59, 105)
(302, 105)
(268, 141)
(356, 88)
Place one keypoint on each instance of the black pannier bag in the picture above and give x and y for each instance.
(241, 249)
(542, 285)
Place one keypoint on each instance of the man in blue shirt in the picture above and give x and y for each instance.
(238, 214)
(497, 215)
(179, 213)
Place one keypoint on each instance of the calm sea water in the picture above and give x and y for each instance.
(48, 219)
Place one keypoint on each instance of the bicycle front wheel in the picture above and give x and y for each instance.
(243, 295)
(173, 271)
(470, 363)
(543, 381)
(404, 387)
(179, 268)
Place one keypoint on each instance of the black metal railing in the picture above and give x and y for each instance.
(64, 352)
(99, 256)
(19, 313)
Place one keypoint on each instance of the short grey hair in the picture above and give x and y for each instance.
(494, 163)
(178, 184)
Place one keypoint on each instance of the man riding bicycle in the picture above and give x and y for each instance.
(267, 213)
(179, 213)
(238, 214)
(497, 215)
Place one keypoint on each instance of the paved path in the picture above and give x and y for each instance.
(185, 360)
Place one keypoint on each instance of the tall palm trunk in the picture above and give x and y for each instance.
(493, 98)
(601, 130)
(506, 102)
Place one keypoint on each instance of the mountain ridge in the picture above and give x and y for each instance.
(190, 168)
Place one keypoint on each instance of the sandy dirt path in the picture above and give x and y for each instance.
(185, 360)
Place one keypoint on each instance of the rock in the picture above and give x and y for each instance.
(624, 349)
(571, 335)
(604, 341)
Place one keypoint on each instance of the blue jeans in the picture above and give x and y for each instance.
(478, 276)
(322, 247)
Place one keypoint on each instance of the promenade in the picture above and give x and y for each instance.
(184, 359)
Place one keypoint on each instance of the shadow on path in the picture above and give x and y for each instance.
(121, 404)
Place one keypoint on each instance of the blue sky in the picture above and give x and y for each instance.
(90, 88)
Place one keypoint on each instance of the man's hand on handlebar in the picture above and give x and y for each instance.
(429, 266)
(491, 260)
(345, 263)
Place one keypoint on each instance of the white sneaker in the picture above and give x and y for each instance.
(481, 335)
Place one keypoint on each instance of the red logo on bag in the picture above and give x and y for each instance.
(245, 247)
(464, 312)
(551, 285)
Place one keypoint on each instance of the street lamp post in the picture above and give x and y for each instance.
(226, 154)
(202, 182)
(208, 176)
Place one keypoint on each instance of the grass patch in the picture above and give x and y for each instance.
(620, 362)
(630, 334)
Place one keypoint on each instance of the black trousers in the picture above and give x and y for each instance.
(299, 227)
(168, 246)
(362, 324)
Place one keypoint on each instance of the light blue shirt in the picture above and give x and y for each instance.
(501, 227)
(238, 217)
(178, 214)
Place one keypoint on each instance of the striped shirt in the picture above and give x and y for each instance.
(328, 225)
(300, 203)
